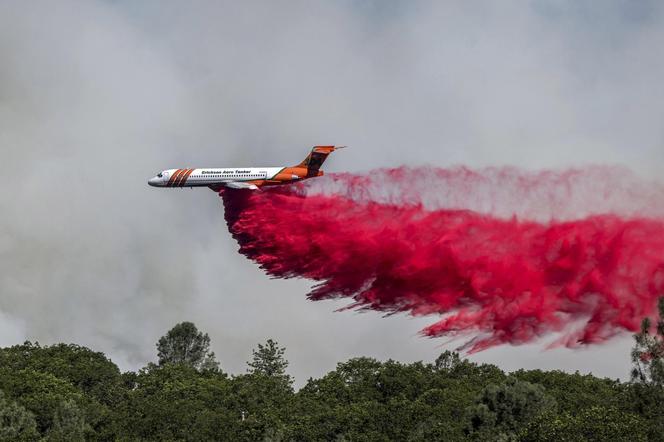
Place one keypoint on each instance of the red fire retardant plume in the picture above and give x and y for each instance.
(495, 280)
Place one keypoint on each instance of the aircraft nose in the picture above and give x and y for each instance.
(154, 181)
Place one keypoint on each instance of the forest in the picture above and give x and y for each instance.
(67, 392)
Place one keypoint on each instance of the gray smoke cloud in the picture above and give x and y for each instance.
(97, 96)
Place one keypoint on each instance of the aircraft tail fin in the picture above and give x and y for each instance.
(316, 158)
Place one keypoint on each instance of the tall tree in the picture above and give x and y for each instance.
(648, 351)
(447, 361)
(184, 344)
(269, 360)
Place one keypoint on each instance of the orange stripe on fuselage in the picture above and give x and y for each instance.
(173, 177)
(178, 180)
(185, 176)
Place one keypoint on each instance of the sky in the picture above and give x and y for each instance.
(97, 96)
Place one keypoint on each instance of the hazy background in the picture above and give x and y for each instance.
(97, 96)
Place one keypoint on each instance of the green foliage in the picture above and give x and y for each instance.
(69, 393)
(648, 352)
(647, 401)
(176, 402)
(16, 423)
(263, 403)
(573, 392)
(364, 399)
(449, 362)
(590, 424)
(503, 409)
(68, 424)
(184, 344)
(42, 394)
(66, 372)
(268, 360)
(90, 371)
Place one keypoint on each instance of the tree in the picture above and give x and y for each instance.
(68, 423)
(177, 402)
(646, 401)
(264, 395)
(88, 370)
(42, 394)
(503, 409)
(268, 360)
(648, 351)
(646, 393)
(448, 361)
(184, 344)
(16, 423)
(574, 391)
(596, 423)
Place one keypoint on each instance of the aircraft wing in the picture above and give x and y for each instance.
(232, 185)
(240, 185)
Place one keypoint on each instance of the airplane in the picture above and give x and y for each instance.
(251, 178)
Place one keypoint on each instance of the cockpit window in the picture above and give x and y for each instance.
(159, 175)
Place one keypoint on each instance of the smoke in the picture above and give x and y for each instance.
(497, 279)
(12, 330)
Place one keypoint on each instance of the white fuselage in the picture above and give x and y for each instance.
(211, 176)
